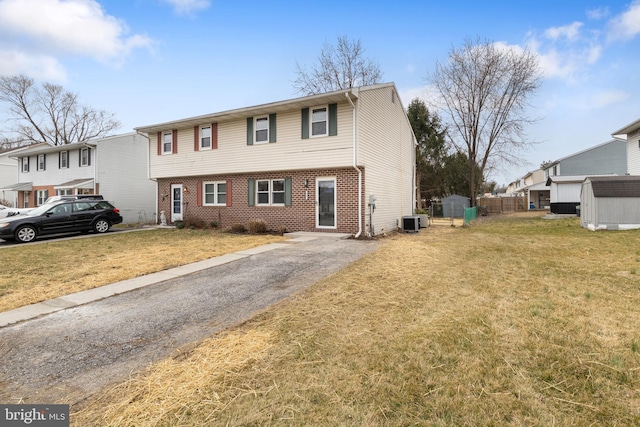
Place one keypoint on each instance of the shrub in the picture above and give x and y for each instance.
(179, 225)
(282, 229)
(238, 228)
(194, 222)
(213, 224)
(256, 226)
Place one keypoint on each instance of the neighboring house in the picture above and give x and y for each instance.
(631, 136)
(338, 162)
(115, 167)
(565, 176)
(610, 203)
(534, 187)
(8, 177)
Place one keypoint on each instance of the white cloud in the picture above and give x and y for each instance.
(608, 98)
(570, 32)
(78, 27)
(599, 13)
(39, 66)
(187, 7)
(627, 25)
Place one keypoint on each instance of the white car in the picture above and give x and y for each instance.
(7, 211)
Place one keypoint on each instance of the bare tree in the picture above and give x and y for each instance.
(339, 67)
(51, 114)
(483, 92)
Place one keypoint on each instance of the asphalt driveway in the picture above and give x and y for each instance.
(68, 355)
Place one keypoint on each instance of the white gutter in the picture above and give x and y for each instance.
(355, 166)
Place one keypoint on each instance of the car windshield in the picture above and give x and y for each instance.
(41, 209)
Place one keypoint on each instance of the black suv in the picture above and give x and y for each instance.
(64, 216)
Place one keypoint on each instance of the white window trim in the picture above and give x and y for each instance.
(200, 137)
(255, 130)
(326, 128)
(82, 163)
(66, 161)
(270, 192)
(41, 166)
(25, 164)
(165, 133)
(41, 196)
(215, 193)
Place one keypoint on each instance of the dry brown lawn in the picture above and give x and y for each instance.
(511, 321)
(34, 273)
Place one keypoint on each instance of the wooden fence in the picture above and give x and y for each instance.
(503, 204)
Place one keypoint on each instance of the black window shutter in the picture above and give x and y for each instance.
(305, 123)
(249, 130)
(89, 156)
(333, 119)
(272, 128)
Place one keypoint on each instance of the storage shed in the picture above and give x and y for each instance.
(454, 205)
(610, 203)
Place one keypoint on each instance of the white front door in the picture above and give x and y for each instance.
(176, 202)
(326, 202)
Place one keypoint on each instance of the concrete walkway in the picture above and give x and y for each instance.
(84, 297)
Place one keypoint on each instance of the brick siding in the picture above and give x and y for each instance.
(300, 216)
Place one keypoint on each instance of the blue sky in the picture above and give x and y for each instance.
(150, 61)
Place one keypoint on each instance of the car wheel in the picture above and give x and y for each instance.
(101, 226)
(26, 234)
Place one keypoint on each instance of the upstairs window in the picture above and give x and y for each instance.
(63, 160)
(25, 164)
(167, 142)
(205, 137)
(85, 157)
(262, 130)
(42, 162)
(319, 121)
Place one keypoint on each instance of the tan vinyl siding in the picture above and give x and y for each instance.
(233, 155)
(386, 150)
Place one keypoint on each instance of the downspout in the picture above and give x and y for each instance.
(355, 166)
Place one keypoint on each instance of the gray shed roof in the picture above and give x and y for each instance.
(615, 186)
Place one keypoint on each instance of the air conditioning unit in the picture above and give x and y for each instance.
(410, 224)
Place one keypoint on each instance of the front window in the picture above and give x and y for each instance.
(270, 192)
(215, 193)
(319, 121)
(205, 137)
(84, 157)
(64, 192)
(25, 164)
(167, 142)
(262, 130)
(64, 159)
(41, 162)
(42, 196)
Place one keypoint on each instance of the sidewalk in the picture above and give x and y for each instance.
(84, 297)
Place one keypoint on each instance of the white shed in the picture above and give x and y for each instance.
(610, 203)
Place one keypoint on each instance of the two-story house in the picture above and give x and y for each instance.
(337, 162)
(630, 134)
(8, 177)
(566, 175)
(115, 167)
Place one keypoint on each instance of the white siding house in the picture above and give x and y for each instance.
(631, 135)
(115, 167)
(307, 164)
